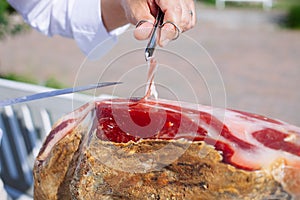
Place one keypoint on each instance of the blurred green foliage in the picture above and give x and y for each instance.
(3, 12)
(291, 7)
(53, 83)
(18, 77)
(277, 4)
(7, 25)
(285, 4)
(293, 17)
(208, 1)
(234, 4)
(50, 82)
(10, 25)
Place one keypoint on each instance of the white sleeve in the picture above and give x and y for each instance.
(78, 19)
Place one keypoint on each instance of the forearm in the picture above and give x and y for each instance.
(113, 14)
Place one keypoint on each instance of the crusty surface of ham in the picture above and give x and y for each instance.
(245, 141)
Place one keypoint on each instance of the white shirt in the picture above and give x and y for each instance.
(78, 19)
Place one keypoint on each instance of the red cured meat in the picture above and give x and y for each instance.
(246, 141)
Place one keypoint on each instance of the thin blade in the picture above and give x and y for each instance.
(53, 93)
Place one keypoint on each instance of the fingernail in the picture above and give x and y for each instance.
(164, 42)
(163, 39)
(142, 22)
(139, 23)
(143, 31)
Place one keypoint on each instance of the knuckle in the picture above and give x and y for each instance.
(178, 10)
(185, 24)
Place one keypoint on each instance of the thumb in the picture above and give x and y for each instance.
(143, 29)
(140, 12)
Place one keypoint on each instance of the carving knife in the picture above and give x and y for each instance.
(53, 93)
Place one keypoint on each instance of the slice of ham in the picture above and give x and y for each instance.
(246, 141)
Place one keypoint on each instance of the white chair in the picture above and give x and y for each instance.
(24, 128)
(267, 4)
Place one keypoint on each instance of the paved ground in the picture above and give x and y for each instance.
(235, 58)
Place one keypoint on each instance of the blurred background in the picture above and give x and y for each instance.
(241, 55)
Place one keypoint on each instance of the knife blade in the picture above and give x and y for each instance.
(53, 93)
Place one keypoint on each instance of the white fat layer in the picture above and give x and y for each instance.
(75, 118)
(242, 126)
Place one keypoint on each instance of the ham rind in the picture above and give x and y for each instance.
(64, 126)
(246, 141)
(260, 138)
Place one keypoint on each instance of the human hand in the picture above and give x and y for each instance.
(179, 16)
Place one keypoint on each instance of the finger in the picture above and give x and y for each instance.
(172, 10)
(187, 20)
(193, 16)
(181, 14)
(143, 30)
(169, 31)
(140, 14)
(153, 7)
